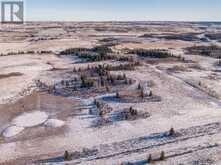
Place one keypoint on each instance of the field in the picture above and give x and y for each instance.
(110, 93)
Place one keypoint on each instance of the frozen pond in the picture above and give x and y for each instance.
(30, 119)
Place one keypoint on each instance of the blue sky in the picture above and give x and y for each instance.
(123, 10)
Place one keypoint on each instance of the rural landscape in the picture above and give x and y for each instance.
(110, 93)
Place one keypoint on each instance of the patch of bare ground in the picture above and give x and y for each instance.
(13, 74)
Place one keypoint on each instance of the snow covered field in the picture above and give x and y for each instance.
(38, 127)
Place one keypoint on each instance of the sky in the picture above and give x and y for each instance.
(123, 10)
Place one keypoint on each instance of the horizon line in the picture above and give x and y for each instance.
(184, 21)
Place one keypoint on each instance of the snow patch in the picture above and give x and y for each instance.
(87, 102)
(12, 131)
(54, 123)
(30, 119)
(105, 96)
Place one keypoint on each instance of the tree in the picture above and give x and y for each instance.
(162, 155)
(101, 113)
(139, 86)
(126, 81)
(97, 103)
(171, 132)
(67, 84)
(150, 94)
(62, 82)
(125, 77)
(108, 89)
(102, 81)
(132, 111)
(66, 156)
(118, 95)
(149, 159)
(111, 79)
(119, 77)
(142, 93)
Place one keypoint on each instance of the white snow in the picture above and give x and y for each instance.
(105, 95)
(54, 123)
(30, 119)
(87, 101)
(12, 131)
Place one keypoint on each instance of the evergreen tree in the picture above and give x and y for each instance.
(171, 132)
(66, 156)
(162, 155)
(149, 159)
(118, 95)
